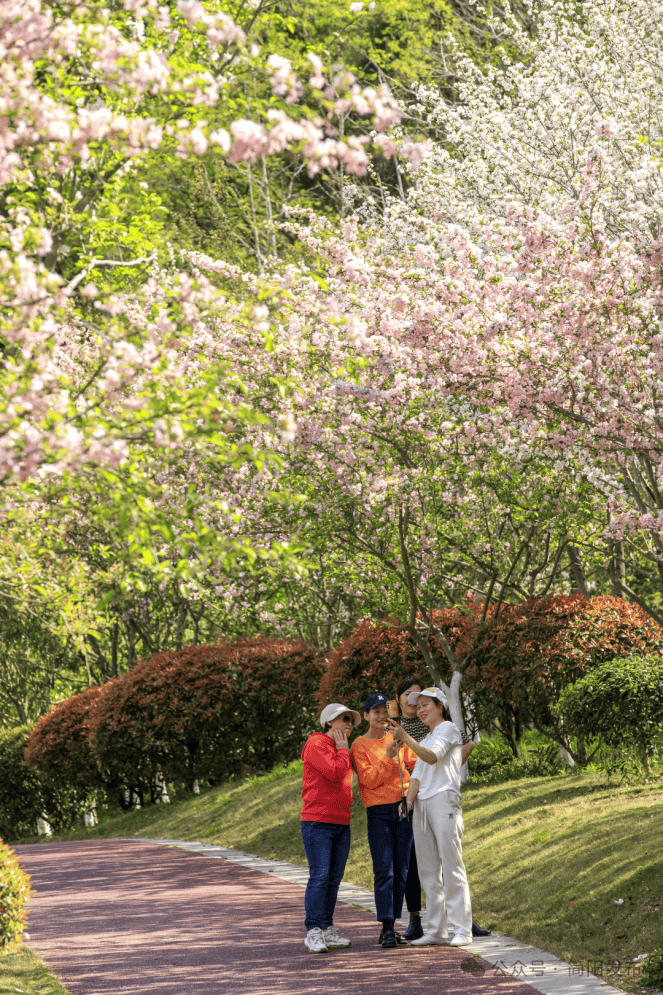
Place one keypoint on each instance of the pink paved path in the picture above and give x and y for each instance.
(118, 918)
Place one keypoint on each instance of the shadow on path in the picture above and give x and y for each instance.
(122, 918)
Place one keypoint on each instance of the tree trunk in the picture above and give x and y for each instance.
(115, 631)
(577, 572)
(455, 706)
(617, 568)
(181, 619)
(560, 739)
(565, 756)
(581, 751)
(510, 733)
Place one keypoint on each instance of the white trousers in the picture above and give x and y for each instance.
(438, 836)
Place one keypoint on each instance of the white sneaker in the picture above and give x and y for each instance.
(315, 941)
(334, 940)
(460, 940)
(430, 940)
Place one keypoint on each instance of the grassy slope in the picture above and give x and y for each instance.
(22, 971)
(546, 857)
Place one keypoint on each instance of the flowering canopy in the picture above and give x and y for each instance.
(472, 377)
(86, 93)
(460, 390)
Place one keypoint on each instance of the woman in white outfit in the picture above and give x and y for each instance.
(434, 792)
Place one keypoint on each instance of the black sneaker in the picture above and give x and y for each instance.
(415, 929)
(478, 930)
(400, 940)
(389, 940)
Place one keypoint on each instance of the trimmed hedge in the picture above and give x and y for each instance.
(620, 701)
(59, 748)
(377, 656)
(203, 711)
(532, 651)
(14, 894)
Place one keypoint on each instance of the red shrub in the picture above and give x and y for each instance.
(200, 712)
(59, 748)
(376, 656)
(523, 659)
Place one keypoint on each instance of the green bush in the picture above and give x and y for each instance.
(620, 703)
(26, 794)
(14, 894)
(21, 801)
(491, 751)
(652, 975)
(497, 763)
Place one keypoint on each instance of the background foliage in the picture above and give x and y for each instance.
(620, 702)
(14, 895)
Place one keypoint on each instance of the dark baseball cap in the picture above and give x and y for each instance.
(374, 700)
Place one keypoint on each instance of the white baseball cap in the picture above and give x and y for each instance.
(430, 693)
(331, 712)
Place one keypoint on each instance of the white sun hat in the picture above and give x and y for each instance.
(331, 712)
(430, 693)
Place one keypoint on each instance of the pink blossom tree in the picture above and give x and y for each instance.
(457, 394)
(383, 474)
(86, 96)
(113, 358)
(567, 141)
(499, 328)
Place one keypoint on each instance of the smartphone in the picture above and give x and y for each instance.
(392, 709)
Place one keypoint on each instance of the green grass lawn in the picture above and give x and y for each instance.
(22, 971)
(547, 858)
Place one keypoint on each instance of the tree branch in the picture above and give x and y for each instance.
(639, 601)
(94, 263)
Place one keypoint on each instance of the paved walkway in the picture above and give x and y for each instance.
(505, 956)
(127, 917)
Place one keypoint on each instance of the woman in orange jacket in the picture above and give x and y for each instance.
(384, 774)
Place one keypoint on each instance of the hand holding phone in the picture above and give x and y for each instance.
(396, 729)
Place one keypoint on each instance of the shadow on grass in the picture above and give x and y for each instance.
(22, 971)
(550, 860)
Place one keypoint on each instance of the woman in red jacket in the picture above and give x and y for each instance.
(327, 795)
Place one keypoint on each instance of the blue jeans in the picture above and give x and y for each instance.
(390, 841)
(327, 847)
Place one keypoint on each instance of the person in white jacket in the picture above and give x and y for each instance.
(434, 793)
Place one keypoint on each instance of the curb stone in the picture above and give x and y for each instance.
(537, 968)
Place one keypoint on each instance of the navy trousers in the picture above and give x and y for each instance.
(413, 884)
(390, 842)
